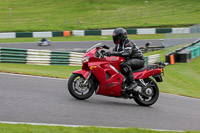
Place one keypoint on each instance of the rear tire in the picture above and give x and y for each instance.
(76, 89)
(144, 101)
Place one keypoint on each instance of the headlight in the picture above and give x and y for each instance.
(85, 59)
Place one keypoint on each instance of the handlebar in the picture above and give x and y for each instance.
(100, 54)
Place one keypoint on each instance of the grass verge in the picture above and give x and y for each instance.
(182, 79)
(63, 15)
(39, 70)
(23, 128)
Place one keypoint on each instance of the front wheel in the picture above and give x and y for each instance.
(152, 90)
(77, 89)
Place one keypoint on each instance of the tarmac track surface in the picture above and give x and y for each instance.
(73, 45)
(46, 100)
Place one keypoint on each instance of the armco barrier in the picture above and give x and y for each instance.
(92, 32)
(8, 35)
(39, 57)
(146, 31)
(42, 34)
(47, 57)
(151, 59)
(13, 55)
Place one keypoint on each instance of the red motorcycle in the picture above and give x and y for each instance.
(102, 74)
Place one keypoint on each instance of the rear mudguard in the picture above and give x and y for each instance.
(85, 73)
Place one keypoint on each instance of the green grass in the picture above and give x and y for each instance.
(182, 79)
(19, 128)
(39, 70)
(59, 15)
(82, 38)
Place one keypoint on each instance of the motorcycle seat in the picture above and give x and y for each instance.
(140, 69)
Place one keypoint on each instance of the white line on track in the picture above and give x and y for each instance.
(63, 125)
(12, 74)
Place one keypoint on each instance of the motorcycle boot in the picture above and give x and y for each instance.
(126, 69)
(132, 83)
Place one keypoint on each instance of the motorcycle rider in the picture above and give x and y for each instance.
(44, 39)
(44, 42)
(134, 59)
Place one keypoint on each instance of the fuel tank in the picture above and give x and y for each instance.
(115, 61)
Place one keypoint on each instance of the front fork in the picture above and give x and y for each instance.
(85, 83)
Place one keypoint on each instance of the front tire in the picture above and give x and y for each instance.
(148, 101)
(76, 88)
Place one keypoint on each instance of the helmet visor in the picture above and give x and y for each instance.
(116, 39)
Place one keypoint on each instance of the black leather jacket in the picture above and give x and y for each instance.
(128, 50)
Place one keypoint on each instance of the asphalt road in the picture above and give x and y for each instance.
(46, 100)
(72, 45)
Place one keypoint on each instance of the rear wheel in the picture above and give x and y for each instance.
(152, 91)
(77, 89)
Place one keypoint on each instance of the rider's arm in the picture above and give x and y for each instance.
(115, 48)
(126, 52)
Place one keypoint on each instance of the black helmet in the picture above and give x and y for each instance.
(119, 35)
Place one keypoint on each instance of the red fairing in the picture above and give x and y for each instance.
(115, 61)
(85, 73)
(108, 86)
(146, 73)
(91, 53)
